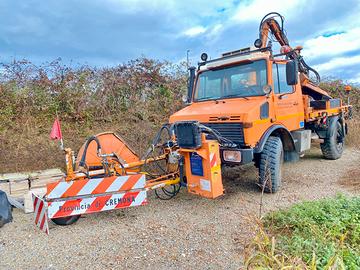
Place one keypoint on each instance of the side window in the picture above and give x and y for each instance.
(209, 87)
(275, 79)
(279, 79)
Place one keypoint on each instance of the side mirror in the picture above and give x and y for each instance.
(292, 72)
(190, 84)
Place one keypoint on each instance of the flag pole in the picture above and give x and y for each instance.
(61, 140)
(62, 144)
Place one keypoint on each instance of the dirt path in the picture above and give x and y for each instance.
(187, 232)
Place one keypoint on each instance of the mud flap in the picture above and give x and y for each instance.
(41, 213)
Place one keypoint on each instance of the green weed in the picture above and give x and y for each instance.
(323, 234)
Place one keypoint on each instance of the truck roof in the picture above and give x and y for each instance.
(234, 57)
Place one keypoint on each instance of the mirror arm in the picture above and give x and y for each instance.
(191, 84)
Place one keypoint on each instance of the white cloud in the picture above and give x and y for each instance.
(338, 63)
(215, 30)
(194, 31)
(336, 44)
(255, 10)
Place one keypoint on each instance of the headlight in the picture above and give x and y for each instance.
(232, 156)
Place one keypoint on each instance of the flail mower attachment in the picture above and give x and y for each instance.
(108, 175)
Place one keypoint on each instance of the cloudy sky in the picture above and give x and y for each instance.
(108, 32)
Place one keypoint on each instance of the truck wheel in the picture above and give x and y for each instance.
(271, 160)
(333, 147)
(64, 221)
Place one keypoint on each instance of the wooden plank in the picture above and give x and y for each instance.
(14, 176)
(35, 183)
(18, 186)
(46, 173)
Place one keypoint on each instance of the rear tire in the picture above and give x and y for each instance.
(271, 160)
(64, 221)
(333, 147)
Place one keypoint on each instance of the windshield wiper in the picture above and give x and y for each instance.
(207, 98)
(237, 96)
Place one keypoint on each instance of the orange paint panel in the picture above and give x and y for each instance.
(130, 182)
(104, 185)
(110, 143)
(75, 188)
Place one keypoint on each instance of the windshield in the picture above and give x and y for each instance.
(244, 80)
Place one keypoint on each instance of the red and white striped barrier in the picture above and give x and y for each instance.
(64, 199)
(40, 213)
(64, 189)
(80, 206)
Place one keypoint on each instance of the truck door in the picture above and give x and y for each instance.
(289, 108)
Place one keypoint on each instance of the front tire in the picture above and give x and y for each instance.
(64, 221)
(271, 159)
(333, 147)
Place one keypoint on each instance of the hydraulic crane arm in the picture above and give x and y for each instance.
(269, 25)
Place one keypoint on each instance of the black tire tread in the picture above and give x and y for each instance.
(271, 156)
(65, 221)
(328, 148)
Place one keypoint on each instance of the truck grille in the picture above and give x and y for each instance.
(232, 131)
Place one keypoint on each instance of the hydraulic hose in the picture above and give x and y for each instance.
(303, 67)
(82, 162)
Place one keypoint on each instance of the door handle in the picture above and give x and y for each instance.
(296, 103)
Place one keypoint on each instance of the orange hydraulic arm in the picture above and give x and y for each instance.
(271, 25)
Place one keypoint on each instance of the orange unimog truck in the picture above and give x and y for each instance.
(266, 105)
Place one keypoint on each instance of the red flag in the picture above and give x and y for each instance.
(55, 133)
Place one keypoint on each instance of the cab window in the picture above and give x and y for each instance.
(279, 79)
(246, 79)
(209, 86)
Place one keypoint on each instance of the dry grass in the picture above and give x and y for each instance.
(133, 99)
(262, 253)
(353, 137)
(28, 146)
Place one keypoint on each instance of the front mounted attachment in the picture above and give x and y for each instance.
(201, 158)
(108, 175)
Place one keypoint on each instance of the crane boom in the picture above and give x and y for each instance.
(270, 25)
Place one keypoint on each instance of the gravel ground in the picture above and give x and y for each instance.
(187, 232)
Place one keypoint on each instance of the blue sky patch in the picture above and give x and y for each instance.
(109, 32)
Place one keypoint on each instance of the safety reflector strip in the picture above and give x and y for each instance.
(212, 160)
(40, 213)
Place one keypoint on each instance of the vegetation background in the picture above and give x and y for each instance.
(132, 99)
